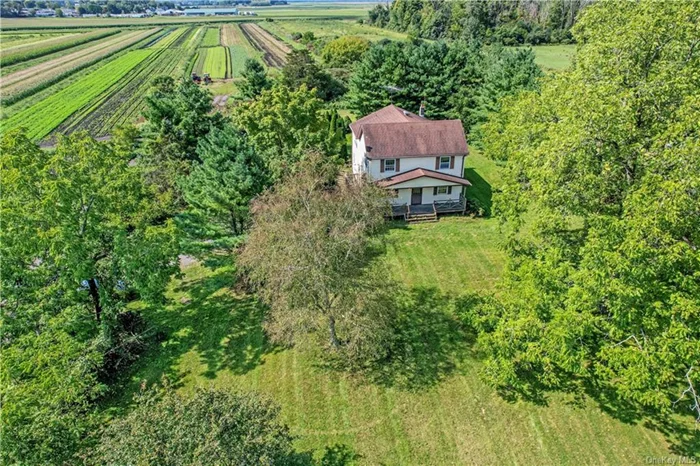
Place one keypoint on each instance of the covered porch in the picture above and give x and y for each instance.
(422, 195)
(427, 212)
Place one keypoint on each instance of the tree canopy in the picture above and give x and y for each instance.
(602, 203)
(284, 123)
(230, 174)
(301, 69)
(344, 51)
(209, 427)
(455, 80)
(255, 78)
(81, 235)
(307, 251)
(494, 21)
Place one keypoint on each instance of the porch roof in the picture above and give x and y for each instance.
(420, 173)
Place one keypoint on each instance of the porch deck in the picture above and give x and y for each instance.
(429, 211)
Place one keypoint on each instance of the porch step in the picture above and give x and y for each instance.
(421, 218)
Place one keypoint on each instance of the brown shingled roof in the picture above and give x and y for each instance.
(388, 114)
(416, 139)
(419, 173)
(393, 132)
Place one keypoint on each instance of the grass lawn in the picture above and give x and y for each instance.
(554, 57)
(214, 337)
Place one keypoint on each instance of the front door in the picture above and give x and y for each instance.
(416, 196)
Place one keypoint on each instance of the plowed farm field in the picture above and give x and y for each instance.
(274, 51)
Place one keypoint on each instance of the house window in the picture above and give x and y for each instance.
(444, 163)
(442, 190)
(390, 165)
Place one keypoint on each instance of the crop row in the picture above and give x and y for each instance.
(13, 43)
(239, 47)
(41, 118)
(28, 82)
(124, 104)
(211, 38)
(38, 51)
(274, 51)
(217, 63)
(169, 39)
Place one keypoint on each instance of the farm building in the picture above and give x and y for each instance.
(420, 161)
(211, 12)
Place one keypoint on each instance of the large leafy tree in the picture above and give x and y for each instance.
(503, 21)
(307, 251)
(81, 233)
(230, 174)
(209, 427)
(602, 196)
(344, 51)
(284, 123)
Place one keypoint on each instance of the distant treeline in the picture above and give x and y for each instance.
(13, 8)
(509, 22)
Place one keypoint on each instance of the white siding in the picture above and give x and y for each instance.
(404, 195)
(411, 163)
(358, 155)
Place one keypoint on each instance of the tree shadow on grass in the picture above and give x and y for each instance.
(333, 455)
(427, 344)
(480, 190)
(681, 432)
(205, 317)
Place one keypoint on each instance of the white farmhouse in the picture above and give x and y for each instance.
(420, 161)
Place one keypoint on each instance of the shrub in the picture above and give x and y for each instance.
(344, 51)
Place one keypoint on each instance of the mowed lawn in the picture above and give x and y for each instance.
(213, 336)
(554, 57)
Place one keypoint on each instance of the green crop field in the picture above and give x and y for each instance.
(239, 47)
(239, 54)
(215, 338)
(330, 28)
(216, 62)
(172, 53)
(11, 43)
(28, 81)
(38, 49)
(211, 38)
(40, 119)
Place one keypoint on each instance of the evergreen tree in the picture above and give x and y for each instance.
(456, 80)
(255, 79)
(230, 174)
(302, 69)
(178, 115)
